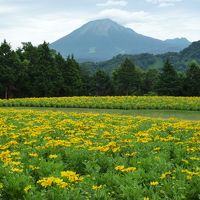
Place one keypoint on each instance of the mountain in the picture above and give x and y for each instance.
(180, 60)
(177, 41)
(102, 39)
(177, 44)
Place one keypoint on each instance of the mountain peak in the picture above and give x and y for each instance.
(100, 27)
(179, 41)
(102, 22)
(105, 20)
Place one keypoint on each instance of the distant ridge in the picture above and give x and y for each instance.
(102, 39)
(180, 60)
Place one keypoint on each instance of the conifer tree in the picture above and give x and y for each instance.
(8, 69)
(127, 79)
(102, 85)
(192, 80)
(169, 83)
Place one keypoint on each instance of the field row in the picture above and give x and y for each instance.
(54, 155)
(119, 102)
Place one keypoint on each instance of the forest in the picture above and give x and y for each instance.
(38, 71)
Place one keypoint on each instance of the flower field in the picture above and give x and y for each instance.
(54, 155)
(122, 102)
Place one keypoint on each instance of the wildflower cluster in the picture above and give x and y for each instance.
(123, 169)
(119, 102)
(97, 156)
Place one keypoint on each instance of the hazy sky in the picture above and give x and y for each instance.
(39, 20)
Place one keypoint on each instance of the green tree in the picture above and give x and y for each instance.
(22, 82)
(72, 78)
(127, 79)
(169, 82)
(8, 69)
(29, 61)
(150, 81)
(102, 84)
(87, 82)
(44, 77)
(192, 80)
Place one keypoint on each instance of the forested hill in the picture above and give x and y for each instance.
(180, 60)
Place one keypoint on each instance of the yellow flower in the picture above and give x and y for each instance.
(15, 163)
(63, 184)
(154, 183)
(195, 158)
(60, 182)
(131, 154)
(185, 161)
(5, 154)
(96, 187)
(15, 154)
(45, 182)
(190, 174)
(166, 174)
(71, 176)
(33, 154)
(53, 156)
(130, 169)
(120, 168)
(1, 185)
(156, 149)
(16, 170)
(33, 167)
(189, 177)
(27, 188)
(123, 169)
(146, 198)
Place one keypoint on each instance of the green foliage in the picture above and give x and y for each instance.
(8, 69)
(46, 77)
(150, 82)
(192, 80)
(191, 53)
(37, 71)
(127, 79)
(101, 84)
(169, 83)
(72, 78)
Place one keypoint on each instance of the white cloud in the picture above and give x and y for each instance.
(164, 3)
(23, 26)
(165, 27)
(124, 16)
(5, 9)
(113, 3)
(41, 28)
(52, 26)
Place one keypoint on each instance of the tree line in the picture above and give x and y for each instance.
(37, 71)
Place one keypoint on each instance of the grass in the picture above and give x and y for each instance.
(179, 114)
